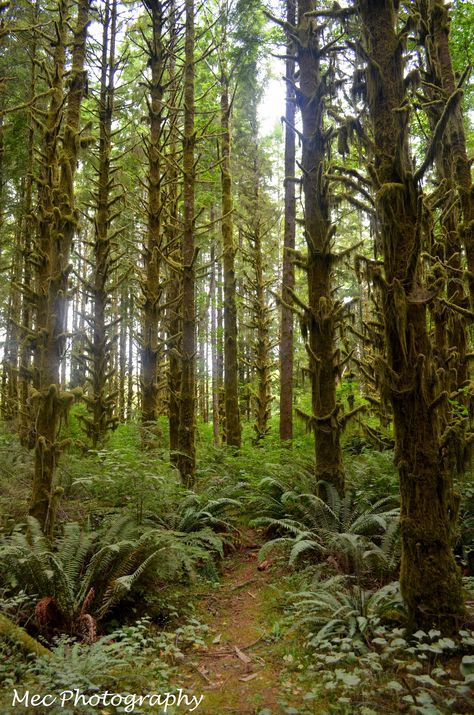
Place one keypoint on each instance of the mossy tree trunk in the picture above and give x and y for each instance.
(9, 396)
(56, 223)
(214, 339)
(256, 228)
(101, 399)
(220, 349)
(25, 427)
(289, 235)
(152, 284)
(173, 244)
(450, 315)
(77, 365)
(130, 356)
(186, 461)
(430, 580)
(124, 310)
(322, 315)
(263, 363)
(437, 16)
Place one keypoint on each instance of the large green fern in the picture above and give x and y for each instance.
(89, 573)
(338, 608)
(343, 529)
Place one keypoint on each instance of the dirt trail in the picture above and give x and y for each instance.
(237, 672)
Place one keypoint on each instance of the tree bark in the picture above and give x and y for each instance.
(288, 276)
(152, 285)
(322, 315)
(102, 399)
(429, 578)
(56, 223)
(231, 380)
(186, 461)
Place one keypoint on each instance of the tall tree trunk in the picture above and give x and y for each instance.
(231, 379)
(262, 398)
(214, 365)
(123, 351)
(57, 221)
(288, 276)
(439, 27)
(152, 285)
(101, 400)
(220, 350)
(429, 578)
(450, 324)
(322, 314)
(12, 337)
(186, 461)
(130, 357)
(26, 426)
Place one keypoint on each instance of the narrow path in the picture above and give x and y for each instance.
(237, 672)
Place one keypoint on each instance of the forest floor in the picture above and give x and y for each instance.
(240, 670)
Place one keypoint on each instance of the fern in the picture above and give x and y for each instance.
(77, 588)
(348, 532)
(338, 608)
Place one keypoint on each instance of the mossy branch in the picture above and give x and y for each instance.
(438, 134)
(17, 635)
(344, 419)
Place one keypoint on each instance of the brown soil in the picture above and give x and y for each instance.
(237, 672)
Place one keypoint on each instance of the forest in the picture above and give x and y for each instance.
(236, 405)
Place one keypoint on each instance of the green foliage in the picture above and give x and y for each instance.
(465, 544)
(214, 509)
(462, 44)
(128, 658)
(89, 573)
(356, 661)
(337, 607)
(372, 473)
(345, 530)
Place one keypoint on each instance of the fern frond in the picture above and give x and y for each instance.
(302, 546)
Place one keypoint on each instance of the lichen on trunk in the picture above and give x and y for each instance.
(56, 223)
(322, 314)
(430, 580)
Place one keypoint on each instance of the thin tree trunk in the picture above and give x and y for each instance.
(186, 461)
(130, 359)
(323, 312)
(288, 277)
(123, 351)
(102, 399)
(231, 381)
(26, 427)
(220, 352)
(214, 367)
(152, 285)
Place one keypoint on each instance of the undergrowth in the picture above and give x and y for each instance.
(132, 543)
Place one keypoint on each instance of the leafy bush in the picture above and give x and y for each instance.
(372, 473)
(465, 545)
(125, 660)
